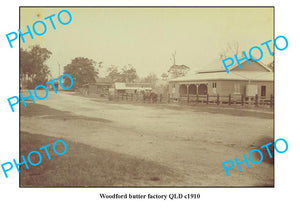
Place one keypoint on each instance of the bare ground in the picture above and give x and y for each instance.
(191, 143)
(83, 165)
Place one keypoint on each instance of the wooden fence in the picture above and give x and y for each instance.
(137, 98)
(200, 99)
(228, 100)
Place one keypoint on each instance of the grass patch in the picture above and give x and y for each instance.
(86, 166)
(34, 110)
(40, 110)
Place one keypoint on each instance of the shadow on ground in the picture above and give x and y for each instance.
(87, 166)
(266, 157)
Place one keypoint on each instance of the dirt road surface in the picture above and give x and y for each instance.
(192, 143)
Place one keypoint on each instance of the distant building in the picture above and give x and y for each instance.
(131, 88)
(250, 80)
(100, 88)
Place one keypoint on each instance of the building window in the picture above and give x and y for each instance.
(173, 89)
(182, 90)
(237, 88)
(214, 85)
(263, 91)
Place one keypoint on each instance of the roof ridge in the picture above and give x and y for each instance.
(259, 62)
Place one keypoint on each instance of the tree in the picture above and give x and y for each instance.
(164, 76)
(42, 76)
(82, 70)
(98, 67)
(151, 79)
(177, 70)
(230, 50)
(25, 64)
(129, 74)
(33, 70)
(113, 74)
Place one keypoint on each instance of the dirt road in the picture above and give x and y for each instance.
(192, 143)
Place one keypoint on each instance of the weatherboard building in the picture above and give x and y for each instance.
(248, 81)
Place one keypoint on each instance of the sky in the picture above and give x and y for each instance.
(147, 37)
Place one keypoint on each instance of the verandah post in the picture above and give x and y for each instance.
(256, 100)
(197, 92)
(207, 98)
(188, 93)
(242, 100)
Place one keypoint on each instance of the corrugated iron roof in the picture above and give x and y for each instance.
(217, 65)
(132, 86)
(233, 75)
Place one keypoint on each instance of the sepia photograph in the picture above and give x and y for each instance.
(146, 96)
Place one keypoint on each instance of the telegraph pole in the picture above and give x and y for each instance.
(174, 57)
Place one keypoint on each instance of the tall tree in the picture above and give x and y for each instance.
(151, 79)
(82, 70)
(113, 74)
(178, 70)
(25, 64)
(129, 74)
(33, 67)
(99, 66)
(231, 49)
(175, 70)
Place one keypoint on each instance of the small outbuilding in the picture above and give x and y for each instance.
(100, 88)
(131, 88)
